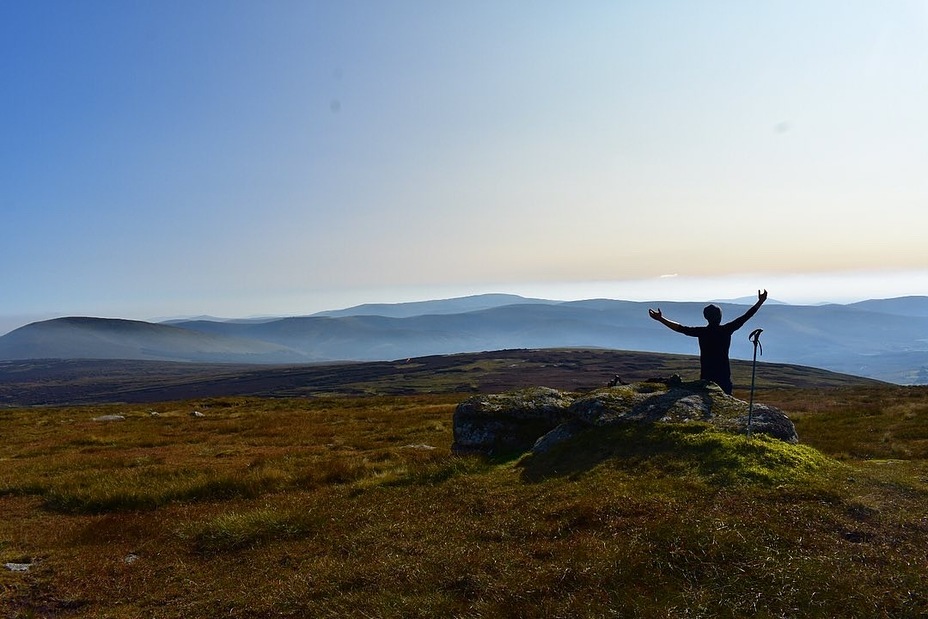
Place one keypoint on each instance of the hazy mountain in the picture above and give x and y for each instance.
(900, 306)
(749, 300)
(441, 306)
(107, 338)
(873, 339)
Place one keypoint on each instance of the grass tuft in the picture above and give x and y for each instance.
(238, 530)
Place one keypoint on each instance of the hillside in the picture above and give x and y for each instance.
(108, 338)
(883, 339)
(59, 382)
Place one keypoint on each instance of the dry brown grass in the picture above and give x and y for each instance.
(333, 507)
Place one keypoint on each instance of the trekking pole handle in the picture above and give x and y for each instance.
(755, 339)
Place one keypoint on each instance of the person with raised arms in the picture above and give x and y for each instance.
(714, 340)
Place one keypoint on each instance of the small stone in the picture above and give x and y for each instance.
(110, 418)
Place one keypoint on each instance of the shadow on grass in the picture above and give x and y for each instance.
(627, 443)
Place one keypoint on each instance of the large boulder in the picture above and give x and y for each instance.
(539, 418)
(507, 422)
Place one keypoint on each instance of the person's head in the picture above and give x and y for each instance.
(713, 314)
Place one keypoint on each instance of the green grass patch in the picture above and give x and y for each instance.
(694, 449)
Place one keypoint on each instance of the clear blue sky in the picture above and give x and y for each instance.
(232, 158)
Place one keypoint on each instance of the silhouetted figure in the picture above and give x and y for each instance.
(714, 340)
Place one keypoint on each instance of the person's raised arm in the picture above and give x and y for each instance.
(739, 322)
(656, 315)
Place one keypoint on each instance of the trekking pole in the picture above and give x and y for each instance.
(755, 339)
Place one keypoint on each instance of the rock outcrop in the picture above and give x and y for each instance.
(507, 422)
(538, 418)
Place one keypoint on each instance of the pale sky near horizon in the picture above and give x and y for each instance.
(238, 157)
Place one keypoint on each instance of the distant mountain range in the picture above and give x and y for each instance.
(886, 339)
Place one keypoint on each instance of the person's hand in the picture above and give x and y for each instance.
(761, 296)
(655, 314)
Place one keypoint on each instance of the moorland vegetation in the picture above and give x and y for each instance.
(333, 506)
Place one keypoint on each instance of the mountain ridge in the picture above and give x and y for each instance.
(82, 337)
(884, 339)
(455, 305)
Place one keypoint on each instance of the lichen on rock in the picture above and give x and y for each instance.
(510, 421)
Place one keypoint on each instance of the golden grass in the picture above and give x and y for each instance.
(334, 507)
